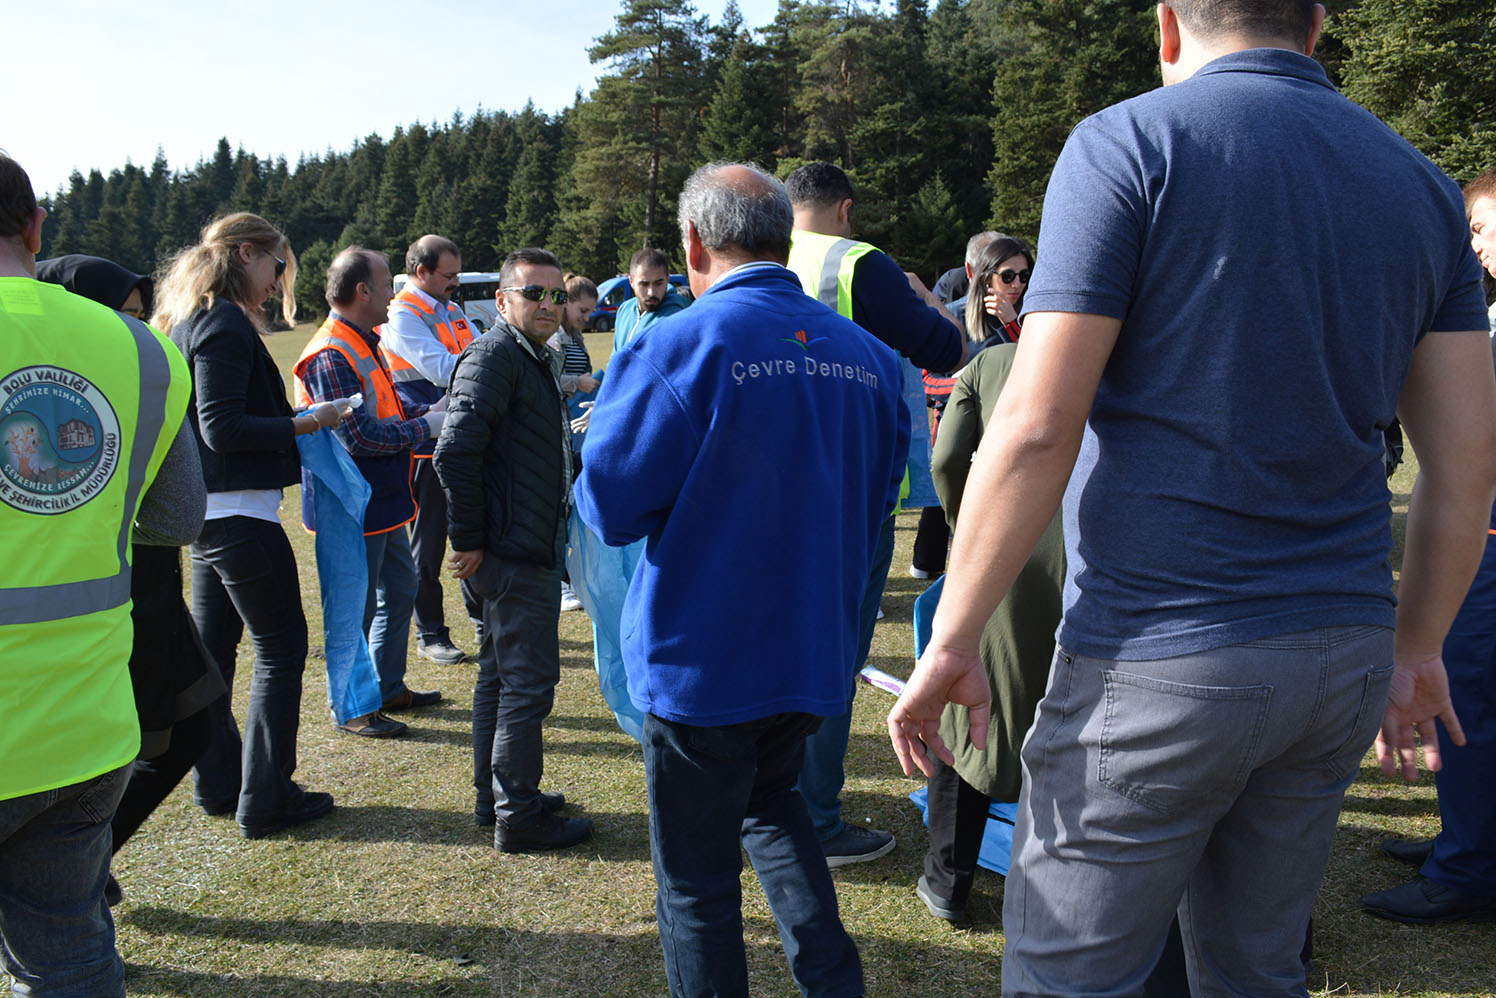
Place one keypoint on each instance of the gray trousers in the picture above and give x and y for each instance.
(519, 663)
(1207, 785)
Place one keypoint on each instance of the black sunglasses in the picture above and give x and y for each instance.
(1006, 276)
(534, 292)
(280, 265)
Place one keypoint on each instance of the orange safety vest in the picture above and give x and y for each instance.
(452, 331)
(392, 504)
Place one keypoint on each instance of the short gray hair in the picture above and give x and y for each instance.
(752, 215)
(977, 243)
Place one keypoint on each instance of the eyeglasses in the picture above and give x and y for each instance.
(1007, 276)
(134, 311)
(534, 292)
(280, 265)
(443, 273)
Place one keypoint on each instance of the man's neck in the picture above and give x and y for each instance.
(14, 264)
(821, 222)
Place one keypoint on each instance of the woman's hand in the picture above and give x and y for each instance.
(998, 306)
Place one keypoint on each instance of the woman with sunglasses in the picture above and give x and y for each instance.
(211, 303)
(999, 278)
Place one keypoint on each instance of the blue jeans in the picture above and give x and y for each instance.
(1206, 785)
(387, 608)
(1464, 855)
(823, 774)
(54, 861)
(519, 664)
(709, 790)
(244, 575)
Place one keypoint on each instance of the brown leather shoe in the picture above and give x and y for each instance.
(374, 725)
(412, 700)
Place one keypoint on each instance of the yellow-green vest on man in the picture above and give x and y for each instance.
(89, 403)
(825, 265)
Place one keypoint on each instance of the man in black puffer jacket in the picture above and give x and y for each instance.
(504, 459)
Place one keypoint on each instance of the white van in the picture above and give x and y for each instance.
(476, 296)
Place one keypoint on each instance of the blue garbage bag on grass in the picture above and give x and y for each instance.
(339, 494)
(997, 837)
(921, 484)
(600, 577)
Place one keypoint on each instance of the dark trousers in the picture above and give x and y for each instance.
(519, 664)
(428, 546)
(710, 789)
(244, 576)
(1464, 855)
(152, 780)
(931, 541)
(958, 817)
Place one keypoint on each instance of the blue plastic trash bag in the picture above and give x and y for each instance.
(924, 614)
(921, 485)
(997, 837)
(574, 409)
(339, 495)
(600, 577)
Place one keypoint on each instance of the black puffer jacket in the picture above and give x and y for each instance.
(499, 456)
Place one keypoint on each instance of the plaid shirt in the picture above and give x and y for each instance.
(328, 376)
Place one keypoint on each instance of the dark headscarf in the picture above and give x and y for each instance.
(95, 278)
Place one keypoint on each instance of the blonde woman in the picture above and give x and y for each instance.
(211, 302)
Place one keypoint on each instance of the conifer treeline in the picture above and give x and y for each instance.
(948, 120)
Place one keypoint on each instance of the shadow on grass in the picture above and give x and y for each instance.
(1397, 807)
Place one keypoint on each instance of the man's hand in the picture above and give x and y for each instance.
(944, 674)
(1419, 693)
(587, 383)
(464, 563)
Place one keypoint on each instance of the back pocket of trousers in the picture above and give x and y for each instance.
(1166, 745)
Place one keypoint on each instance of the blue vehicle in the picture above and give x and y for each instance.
(614, 292)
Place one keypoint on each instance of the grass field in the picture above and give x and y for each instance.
(397, 893)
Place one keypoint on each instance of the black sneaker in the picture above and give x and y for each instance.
(939, 906)
(442, 652)
(309, 806)
(374, 725)
(857, 845)
(549, 831)
(112, 894)
(1422, 901)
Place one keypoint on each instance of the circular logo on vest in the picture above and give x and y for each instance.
(59, 440)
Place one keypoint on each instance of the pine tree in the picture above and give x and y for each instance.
(1424, 67)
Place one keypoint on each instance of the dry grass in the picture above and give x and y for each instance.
(397, 893)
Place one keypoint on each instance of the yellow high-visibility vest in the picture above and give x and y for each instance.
(90, 401)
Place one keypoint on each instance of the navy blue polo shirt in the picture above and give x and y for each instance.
(1275, 253)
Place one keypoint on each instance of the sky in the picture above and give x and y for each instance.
(103, 82)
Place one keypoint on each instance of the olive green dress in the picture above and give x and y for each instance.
(1018, 641)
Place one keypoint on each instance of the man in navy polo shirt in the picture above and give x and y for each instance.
(1242, 278)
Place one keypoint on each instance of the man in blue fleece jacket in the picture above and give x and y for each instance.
(757, 440)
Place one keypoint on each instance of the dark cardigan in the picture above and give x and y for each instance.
(239, 409)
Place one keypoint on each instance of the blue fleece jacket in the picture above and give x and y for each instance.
(757, 440)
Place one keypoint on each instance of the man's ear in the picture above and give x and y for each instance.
(31, 230)
(498, 300)
(1168, 35)
(969, 274)
(844, 212)
(696, 254)
(1317, 22)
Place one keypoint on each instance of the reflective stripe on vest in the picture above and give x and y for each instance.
(453, 332)
(334, 334)
(825, 265)
(34, 604)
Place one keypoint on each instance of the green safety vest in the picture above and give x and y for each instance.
(89, 403)
(825, 265)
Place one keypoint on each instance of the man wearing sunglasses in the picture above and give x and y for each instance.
(420, 342)
(504, 459)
